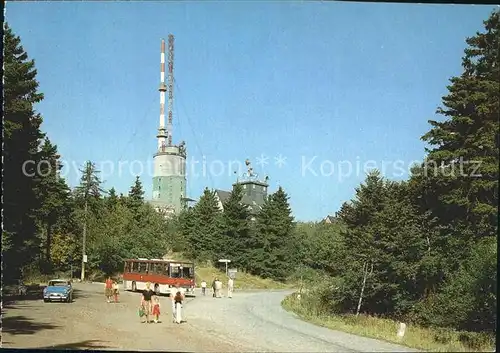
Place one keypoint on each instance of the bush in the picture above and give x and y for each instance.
(476, 340)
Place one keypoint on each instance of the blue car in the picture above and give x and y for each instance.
(58, 290)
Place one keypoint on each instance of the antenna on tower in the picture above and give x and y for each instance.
(163, 88)
(170, 86)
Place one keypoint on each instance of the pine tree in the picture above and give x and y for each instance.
(112, 199)
(88, 195)
(22, 137)
(236, 229)
(467, 142)
(136, 197)
(53, 194)
(89, 189)
(270, 243)
(205, 233)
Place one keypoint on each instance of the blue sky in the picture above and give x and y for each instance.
(321, 83)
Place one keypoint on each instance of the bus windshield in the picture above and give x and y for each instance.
(182, 271)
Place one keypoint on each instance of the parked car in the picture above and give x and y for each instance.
(58, 290)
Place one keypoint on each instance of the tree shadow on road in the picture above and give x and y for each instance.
(87, 344)
(79, 294)
(90, 344)
(10, 297)
(21, 325)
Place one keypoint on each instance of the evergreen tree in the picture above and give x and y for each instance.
(270, 243)
(236, 229)
(89, 191)
(22, 137)
(53, 194)
(136, 197)
(112, 199)
(205, 232)
(466, 144)
(88, 195)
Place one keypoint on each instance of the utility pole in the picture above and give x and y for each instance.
(84, 242)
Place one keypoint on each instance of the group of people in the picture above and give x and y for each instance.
(217, 288)
(111, 290)
(150, 304)
(150, 301)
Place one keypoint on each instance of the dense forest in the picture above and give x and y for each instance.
(423, 249)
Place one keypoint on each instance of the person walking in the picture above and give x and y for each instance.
(156, 309)
(230, 287)
(115, 291)
(213, 286)
(177, 296)
(218, 288)
(108, 289)
(147, 295)
(203, 287)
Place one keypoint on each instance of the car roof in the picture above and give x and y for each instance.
(59, 280)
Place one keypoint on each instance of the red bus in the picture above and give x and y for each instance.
(161, 274)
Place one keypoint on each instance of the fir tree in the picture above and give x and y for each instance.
(112, 199)
(467, 142)
(270, 243)
(236, 229)
(136, 197)
(205, 234)
(22, 137)
(53, 194)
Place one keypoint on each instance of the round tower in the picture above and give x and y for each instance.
(169, 177)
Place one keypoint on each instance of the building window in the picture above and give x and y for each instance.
(265, 189)
(244, 186)
(253, 186)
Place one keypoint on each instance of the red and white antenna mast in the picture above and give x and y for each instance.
(162, 135)
(170, 86)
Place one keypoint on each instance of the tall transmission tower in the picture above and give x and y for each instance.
(170, 86)
(162, 134)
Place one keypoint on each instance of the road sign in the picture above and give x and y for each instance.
(232, 273)
(85, 258)
(226, 262)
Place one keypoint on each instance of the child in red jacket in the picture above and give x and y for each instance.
(156, 308)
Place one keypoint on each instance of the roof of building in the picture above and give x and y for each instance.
(255, 205)
(223, 195)
(329, 219)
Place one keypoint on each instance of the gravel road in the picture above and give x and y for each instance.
(91, 323)
(249, 322)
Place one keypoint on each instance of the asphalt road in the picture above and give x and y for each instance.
(257, 320)
(249, 322)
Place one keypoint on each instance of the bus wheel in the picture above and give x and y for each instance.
(134, 287)
(157, 289)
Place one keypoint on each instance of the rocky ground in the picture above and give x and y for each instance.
(250, 321)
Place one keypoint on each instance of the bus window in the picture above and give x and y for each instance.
(155, 268)
(187, 272)
(127, 267)
(165, 270)
(142, 267)
(174, 272)
(133, 266)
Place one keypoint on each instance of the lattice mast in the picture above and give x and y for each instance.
(162, 133)
(170, 86)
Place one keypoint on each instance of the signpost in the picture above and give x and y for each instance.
(226, 262)
(232, 273)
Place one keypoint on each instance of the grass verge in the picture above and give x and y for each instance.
(436, 340)
(242, 281)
